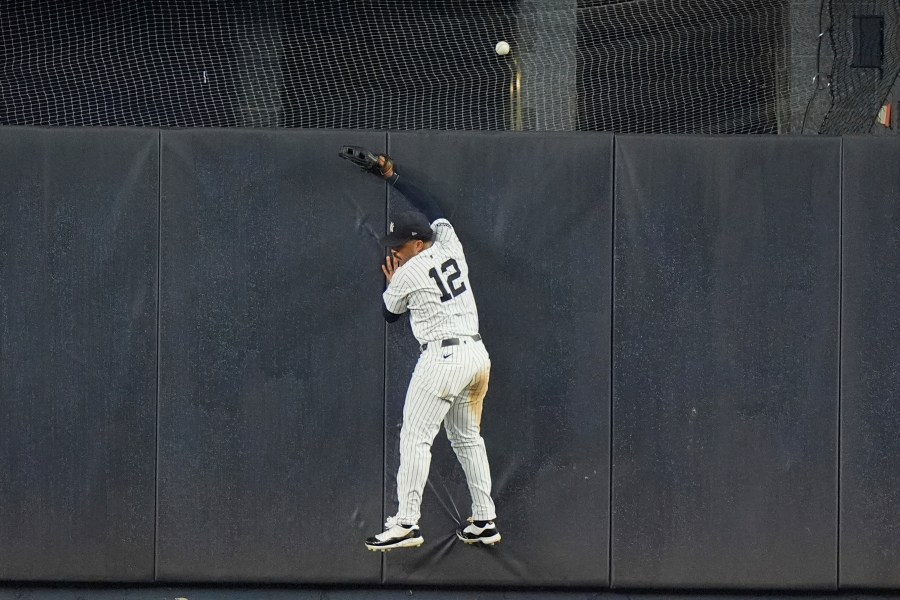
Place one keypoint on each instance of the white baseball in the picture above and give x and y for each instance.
(502, 48)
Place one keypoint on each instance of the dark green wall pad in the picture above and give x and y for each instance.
(870, 364)
(534, 215)
(725, 381)
(78, 259)
(271, 357)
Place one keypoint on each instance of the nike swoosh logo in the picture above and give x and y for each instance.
(448, 355)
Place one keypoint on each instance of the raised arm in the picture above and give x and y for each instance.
(420, 199)
(381, 165)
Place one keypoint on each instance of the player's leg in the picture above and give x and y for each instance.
(463, 425)
(423, 413)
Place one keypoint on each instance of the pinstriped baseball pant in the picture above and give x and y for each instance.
(448, 386)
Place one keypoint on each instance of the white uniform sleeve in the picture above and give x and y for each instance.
(444, 232)
(396, 296)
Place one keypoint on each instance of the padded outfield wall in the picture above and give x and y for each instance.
(693, 343)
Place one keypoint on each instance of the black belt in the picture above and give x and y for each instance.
(452, 341)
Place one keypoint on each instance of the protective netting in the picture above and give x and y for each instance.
(636, 66)
(683, 67)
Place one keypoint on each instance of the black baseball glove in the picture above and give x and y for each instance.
(378, 164)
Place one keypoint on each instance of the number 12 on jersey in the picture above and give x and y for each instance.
(452, 274)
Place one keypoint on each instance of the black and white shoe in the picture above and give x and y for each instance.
(395, 535)
(479, 532)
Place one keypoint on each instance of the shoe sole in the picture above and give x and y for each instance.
(409, 543)
(488, 541)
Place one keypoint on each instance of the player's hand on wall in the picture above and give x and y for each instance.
(390, 265)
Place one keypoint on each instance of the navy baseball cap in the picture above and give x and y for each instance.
(407, 226)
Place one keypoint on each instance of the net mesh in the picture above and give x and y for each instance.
(636, 66)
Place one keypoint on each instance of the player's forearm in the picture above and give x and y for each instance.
(419, 198)
(388, 315)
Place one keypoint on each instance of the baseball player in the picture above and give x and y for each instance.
(428, 277)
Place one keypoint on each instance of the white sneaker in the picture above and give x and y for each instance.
(479, 532)
(395, 535)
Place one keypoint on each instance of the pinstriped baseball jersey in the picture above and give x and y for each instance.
(434, 286)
